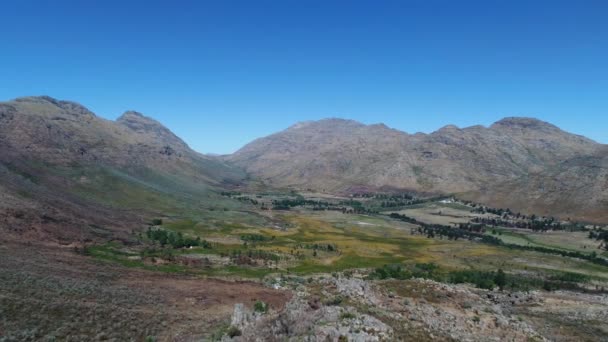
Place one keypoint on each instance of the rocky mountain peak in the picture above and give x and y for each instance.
(146, 126)
(139, 122)
(523, 123)
(448, 129)
(335, 125)
(132, 113)
(68, 107)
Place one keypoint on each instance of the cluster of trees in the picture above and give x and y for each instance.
(230, 193)
(463, 231)
(402, 272)
(352, 203)
(286, 204)
(255, 238)
(175, 240)
(496, 211)
(358, 210)
(385, 196)
(346, 207)
(400, 203)
(405, 218)
(454, 233)
(600, 235)
(482, 279)
(472, 227)
(537, 225)
(247, 199)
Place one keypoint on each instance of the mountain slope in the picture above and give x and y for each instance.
(341, 155)
(67, 174)
(576, 188)
(62, 132)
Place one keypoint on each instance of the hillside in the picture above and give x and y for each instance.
(345, 156)
(68, 175)
(574, 188)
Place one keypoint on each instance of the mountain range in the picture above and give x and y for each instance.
(75, 169)
(521, 163)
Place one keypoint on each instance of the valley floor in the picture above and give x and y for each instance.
(277, 267)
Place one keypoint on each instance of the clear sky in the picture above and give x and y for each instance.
(221, 73)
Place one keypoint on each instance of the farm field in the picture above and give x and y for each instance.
(440, 213)
(573, 241)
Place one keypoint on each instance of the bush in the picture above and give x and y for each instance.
(481, 279)
(347, 315)
(260, 307)
(176, 240)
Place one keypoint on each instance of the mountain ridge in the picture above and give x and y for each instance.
(510, 162)
(344, 155)
(59, 160)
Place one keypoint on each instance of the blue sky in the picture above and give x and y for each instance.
(221, 73)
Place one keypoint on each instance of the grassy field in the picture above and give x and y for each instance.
(563, 240)
(439, 213)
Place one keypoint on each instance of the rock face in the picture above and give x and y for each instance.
(343, 155)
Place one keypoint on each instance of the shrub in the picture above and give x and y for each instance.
(347, 315)
(260, 307)
(176, 240)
